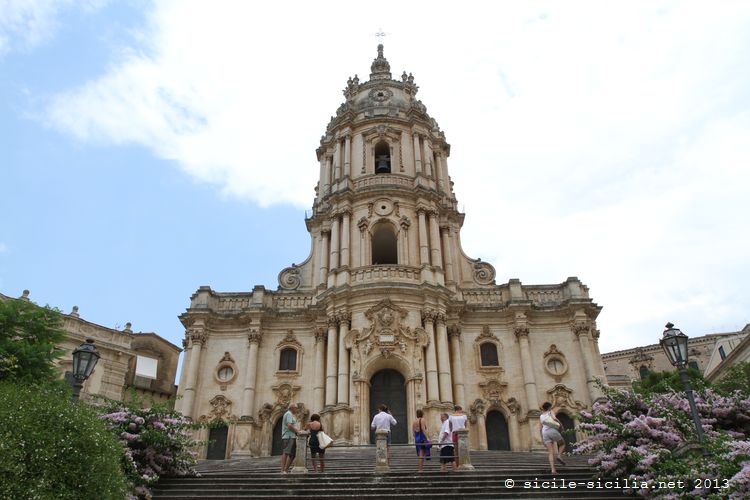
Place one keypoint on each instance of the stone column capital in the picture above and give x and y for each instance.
(343, 318)
(428, 314)
(345, 212)
(333, 320)
(580, 328)
(440, 318)
(521, 331)
(454, 332)
(198, 335)
(320, 335)
(254, 337)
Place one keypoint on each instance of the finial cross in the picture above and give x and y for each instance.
(380, 34)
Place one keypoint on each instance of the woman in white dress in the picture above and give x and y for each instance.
(551, 437)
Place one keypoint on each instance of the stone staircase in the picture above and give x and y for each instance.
(350, 474)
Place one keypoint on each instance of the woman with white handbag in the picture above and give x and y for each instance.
(318, 442)
(551, 437)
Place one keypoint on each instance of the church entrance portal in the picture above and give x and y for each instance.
(388, 387)
(497, 431)
(217, 443)
(276, 438)
(567, 424)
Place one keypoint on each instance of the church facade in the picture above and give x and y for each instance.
(387, 308)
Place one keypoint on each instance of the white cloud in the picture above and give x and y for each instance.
(593, 139)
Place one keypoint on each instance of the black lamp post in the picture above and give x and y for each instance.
(675, 345)
(85, 358)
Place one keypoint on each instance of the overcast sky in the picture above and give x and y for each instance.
(150, 148)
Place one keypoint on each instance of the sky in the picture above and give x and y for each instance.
(149, 148)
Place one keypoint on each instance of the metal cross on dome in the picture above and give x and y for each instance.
(380, 34)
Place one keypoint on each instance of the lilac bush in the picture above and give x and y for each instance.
(157, 443)
(645, 438)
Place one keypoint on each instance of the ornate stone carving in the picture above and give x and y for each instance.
(386, 335)
(333, 320)
(521, 331)
(514, 406)
(404, 222)
(493, 390)
(362, 224)
(344, 318)
(486, 334)
(484, 273)
(561, 396)
(428, 315)
(221, 408)
(285, 393)
(289, 278)
(288, 339)
(227, 357)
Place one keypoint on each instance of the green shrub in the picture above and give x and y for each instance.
(52, 448)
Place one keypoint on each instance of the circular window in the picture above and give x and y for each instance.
(225, 373)
(556, 366)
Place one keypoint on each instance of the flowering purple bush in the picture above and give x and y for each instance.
(645, 438)
(157, 443)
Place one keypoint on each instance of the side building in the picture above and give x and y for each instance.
(387, 307)
(140, 361)
(704, 353)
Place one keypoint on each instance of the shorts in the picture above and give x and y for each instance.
(289, 446)
(550, 435)
(446, 455)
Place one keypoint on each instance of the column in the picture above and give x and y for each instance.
(324, 257)
(337, 161)
(417, 154)
(331, 364)
(329, 173)
(427, 159)
(405, 260)
(343, 384)
(582, 332)
(334, 253)
(448, 255)
(345, 238)
(459, 394)
(433, 392)
(464, 452)
(532, 398)
(299, 465)
(444, 361)
(424, 250)
(251, 370)
(482, 429)
(437, 258)
(322, 183)
(320, 372)
(347, 155)
(197, 338)
(439, 172)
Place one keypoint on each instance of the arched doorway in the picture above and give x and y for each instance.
(568, 425)
(388, 387)
(217, 443)
(497, 431)
(276, 438)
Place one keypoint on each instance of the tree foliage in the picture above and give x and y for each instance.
(667, 382)
(52, 448)
(737, 378)
(29, 340)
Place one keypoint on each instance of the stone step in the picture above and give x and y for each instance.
(350, 474)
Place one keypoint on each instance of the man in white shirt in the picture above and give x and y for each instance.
(384, 420)
(445, 441)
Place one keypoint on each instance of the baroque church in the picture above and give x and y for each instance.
(387, 308)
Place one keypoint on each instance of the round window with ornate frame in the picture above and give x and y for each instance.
(554, 362)
(226, 370)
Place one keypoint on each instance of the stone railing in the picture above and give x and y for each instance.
(404, 274)
(383, 180)
(545, 297)
(484, 297)
(296, 301)
(232, 303)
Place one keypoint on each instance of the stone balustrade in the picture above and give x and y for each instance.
(404, 274)
(383, 180)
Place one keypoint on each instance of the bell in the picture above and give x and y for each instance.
(382, 165)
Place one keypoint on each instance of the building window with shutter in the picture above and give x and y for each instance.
(288, 359)
(488, 353)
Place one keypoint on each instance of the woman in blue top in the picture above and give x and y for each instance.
(420, 439)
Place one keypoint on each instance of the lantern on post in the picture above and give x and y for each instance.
(85, 358)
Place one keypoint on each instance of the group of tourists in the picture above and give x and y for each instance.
(447, 443)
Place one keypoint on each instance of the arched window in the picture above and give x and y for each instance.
(488, 353)
(643, 371)
(384, 245)
(382, 158)
(288, 359)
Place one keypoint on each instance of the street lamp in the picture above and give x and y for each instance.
(85, 357)
(675, 345)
